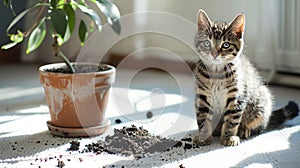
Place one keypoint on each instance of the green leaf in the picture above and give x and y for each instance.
(36, 37)
(60, 4)
(92, 14)
(9, 45)
(59, 21)
(71, 21)
(74, 4)
(53, 3)
(22, 14)
(17, 37)
(52, 31)
(60, 40)
(57, 4)
(5, 2)
(82, 32)
(111, 13)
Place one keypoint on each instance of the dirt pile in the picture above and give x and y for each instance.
(135, 141)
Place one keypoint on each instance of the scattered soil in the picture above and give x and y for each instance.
(118, 121)
(60, 164)
(127, 141)
(149, 114)
(80, 69)
(135, 141)
(74, 146)
(181, 166)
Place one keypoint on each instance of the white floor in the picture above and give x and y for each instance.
(169, 96)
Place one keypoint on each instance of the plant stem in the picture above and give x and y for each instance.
(60, 54)
(66, 60)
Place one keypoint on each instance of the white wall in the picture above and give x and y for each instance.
(171, 25)
(261, 24)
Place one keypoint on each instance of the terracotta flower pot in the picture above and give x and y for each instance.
(77, 102)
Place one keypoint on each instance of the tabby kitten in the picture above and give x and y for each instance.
(231, 99)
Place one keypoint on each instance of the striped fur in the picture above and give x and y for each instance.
(231, 99)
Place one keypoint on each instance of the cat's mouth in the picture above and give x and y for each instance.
(215, 60)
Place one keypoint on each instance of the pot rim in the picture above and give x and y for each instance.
(43, 68)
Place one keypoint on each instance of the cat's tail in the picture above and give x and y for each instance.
(282, 115)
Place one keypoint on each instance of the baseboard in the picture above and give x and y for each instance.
(286, 79)
(281, 78)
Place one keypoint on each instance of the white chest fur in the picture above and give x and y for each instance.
(218, 96)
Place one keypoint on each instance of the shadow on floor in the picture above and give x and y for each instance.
(28, 145)
(288, 158)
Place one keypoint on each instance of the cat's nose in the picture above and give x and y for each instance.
(214, 53)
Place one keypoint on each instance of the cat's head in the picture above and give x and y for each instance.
(219, 42)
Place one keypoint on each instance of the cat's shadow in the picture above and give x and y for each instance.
(281, 158)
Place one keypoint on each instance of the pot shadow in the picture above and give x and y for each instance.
(28, 145)
(288, 158)
(12, 147)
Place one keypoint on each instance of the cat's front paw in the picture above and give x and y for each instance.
(244, 133)
(231, 141)
(198, 142)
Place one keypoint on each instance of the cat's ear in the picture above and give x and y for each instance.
(203, 20)
(237, 26)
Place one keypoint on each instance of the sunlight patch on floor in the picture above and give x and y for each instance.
(159, 101)
(10, 93)
(39, 109)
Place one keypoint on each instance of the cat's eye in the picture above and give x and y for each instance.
(225, 45)
(206, 43)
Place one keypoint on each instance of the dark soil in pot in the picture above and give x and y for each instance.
(80, 69)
